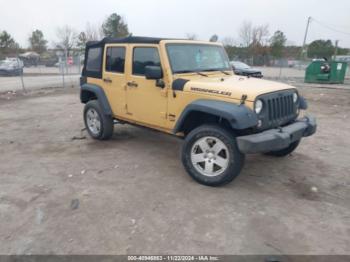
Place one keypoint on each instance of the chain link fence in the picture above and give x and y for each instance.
(30, 71)
(59, 69)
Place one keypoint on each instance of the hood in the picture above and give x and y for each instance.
(233, 86)
(247, 70)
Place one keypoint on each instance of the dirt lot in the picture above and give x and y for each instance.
(65, 195)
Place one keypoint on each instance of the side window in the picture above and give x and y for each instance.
(115, 59)
(144, 56)
(94, 59)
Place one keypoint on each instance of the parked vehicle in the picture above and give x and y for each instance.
(292, 63)
(48, 59)
(30, 59)
(187, 88)
(243, 69)
(11, 67)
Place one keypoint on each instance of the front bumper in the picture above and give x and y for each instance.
(277, 139)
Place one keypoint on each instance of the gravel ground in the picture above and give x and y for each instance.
(64, 193)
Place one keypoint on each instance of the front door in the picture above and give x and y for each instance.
(114, 77)
(146, 103)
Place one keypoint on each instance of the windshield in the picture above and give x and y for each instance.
(187, 58)
(240, 65)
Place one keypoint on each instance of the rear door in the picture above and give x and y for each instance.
(114, 77)
(146, 102)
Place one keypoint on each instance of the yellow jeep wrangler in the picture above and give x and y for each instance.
(188, 89)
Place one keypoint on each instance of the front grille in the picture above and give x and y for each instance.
(279, 108)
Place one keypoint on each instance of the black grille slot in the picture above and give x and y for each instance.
(280, 108)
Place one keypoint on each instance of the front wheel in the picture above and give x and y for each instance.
(285, 151)
(210, 155)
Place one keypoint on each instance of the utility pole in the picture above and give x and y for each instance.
(66, 58)
(336, 49)
(303, 51)
(21, 66)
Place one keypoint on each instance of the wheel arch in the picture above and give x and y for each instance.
(237, 117)
(94, 92)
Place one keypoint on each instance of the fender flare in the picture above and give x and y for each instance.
(100, 95)
(239, 116)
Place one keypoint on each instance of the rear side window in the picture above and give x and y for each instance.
(94, 60)
(115, 60)
(144, 56)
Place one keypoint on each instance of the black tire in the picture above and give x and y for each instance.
(285, 151)
(235, 158)
(105, 131)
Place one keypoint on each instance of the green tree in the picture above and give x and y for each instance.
(81, 41)
(115, 26)
(277, 43)
(343, 51)
(6, 41)
(214, 38)
(8, 45)
(37, 42)
(320, 49)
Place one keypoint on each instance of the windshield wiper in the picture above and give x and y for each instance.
(201, 74)
(190, 71)
(222, 71)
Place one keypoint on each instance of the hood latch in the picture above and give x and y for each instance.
(243, 99)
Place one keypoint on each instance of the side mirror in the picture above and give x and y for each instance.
(153, 72)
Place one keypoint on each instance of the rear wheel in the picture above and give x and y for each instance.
(210, 155)
(285, 151)
(99, 125)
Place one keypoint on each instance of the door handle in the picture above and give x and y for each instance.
(107, 80)
(132, 84)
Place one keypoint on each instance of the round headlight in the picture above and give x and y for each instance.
(258, 106)
(295, 97)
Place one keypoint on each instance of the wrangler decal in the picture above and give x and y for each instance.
(224, 93)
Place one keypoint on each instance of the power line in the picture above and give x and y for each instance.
(337, 25)
(340, 26)
(330, 28)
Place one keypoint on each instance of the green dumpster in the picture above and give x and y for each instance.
(326, 72)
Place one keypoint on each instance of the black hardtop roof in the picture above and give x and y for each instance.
(129, 40)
